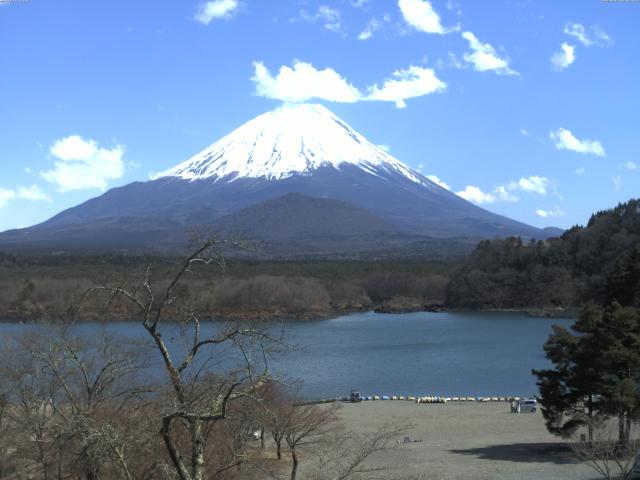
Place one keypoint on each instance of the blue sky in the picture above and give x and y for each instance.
(528, 108)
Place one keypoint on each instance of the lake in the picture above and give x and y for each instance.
(450, 354)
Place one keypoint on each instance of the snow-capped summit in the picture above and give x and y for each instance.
(293, 139)
(299, 179)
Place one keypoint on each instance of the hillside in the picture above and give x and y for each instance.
(596, 263)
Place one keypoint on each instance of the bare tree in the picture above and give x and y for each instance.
(65, 404)
(350, 456)
(196, 396)
(27, 415)
(608, 456)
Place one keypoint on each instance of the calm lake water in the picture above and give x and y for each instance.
(451, 354)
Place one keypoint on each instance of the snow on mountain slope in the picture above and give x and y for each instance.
(293, 139)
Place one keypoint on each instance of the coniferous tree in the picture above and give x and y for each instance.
(596, 372)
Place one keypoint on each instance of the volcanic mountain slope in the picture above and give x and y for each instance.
(301, 149)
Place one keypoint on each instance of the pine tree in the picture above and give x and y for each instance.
(596, 372)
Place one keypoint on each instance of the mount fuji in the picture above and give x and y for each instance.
(298, 179)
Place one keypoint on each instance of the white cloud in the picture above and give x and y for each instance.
(215, 10)
(525, 132)
(565, 140)
(33, 192)
(421, 16)
(588, 37)
(435, 179)
(508, 193)
(404, 84)
(384, 146)
(503, 193)
(330, 18)
(484, 58)
(475, 195)
(358, 3)
(304, 82)
(5, 196)
(533, 184)
(617, 183)
(580, 171)
(80, 164)
(561, 60)
(556, 212)
(372, 27)
(630, 165)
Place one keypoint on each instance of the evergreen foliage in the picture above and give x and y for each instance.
(597, 263)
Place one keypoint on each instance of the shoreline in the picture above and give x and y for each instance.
(568, 313)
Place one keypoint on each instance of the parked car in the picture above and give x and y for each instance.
(528, 405)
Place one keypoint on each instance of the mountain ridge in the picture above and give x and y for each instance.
(293, 150)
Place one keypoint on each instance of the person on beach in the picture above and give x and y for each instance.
(513, 406)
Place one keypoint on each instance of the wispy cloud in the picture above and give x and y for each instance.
(630, 165)
(593, 35)
(483, 57)
(373, 26)
(555, 212)
(81, 164)
(562, 60)
(565, 140)
(330, 18)
(617, 183)
(216, 10)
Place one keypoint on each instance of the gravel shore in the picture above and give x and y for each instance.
(459, 441)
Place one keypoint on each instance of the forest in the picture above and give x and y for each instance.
(590, 264)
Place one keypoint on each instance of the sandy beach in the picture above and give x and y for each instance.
(458, 441)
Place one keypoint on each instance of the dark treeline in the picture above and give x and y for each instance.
(50, 287)
(592, 264)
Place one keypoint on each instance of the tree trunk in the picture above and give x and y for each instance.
(197, 452)
(590, 413)
(627, 433)
(262, 438)
(294, 468)
(180, 467)
(621, 429)
(278, 442)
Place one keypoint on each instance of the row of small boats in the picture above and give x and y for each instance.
(439, 399)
